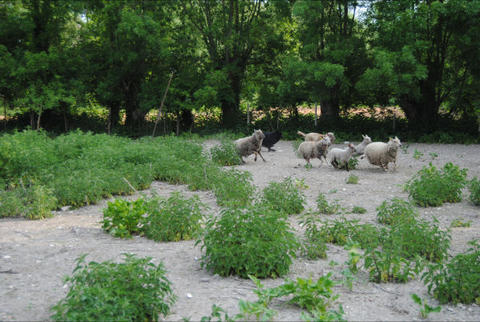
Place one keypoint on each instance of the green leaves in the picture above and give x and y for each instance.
(135, 290)
(284, 197)
(121, 218)
(253, 241)
(431, 187)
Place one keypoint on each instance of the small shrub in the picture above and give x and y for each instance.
(173, 219)
(136, 290)
(457, 281)
(417, 154)
(32, 202)
(324, 207)
(284, 197)
(418, 238)
(431, 187)
(425, 309)
(352, 163)
(352, 179)
(388, 265)
(253, 241)
(390, 212)
(359, 210)
(342, 231)
(121, 218)
(233, 188)
(225, 154)
(313, 246)
(474, 188)
(459, 223)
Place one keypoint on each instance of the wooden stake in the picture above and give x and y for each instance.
(161, 105)
(316, 117)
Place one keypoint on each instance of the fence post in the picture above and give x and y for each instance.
(316, 117)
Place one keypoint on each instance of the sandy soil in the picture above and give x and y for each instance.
(36, 255)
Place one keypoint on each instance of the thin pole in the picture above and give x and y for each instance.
(161, 105)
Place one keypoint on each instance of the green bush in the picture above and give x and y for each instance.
(359, 210)
(474, 188)
(342, 231)
(324, 207)
(136, 290)
(122, 218)
(431, 187)
(418, 238)
(390, 212)
(250, 241)
(284, 197)
(457, 281)
(173, 219)
(388, 265)
(225, 154)
(233, 188)
(352, 179)
(32, 202)
(313, 245)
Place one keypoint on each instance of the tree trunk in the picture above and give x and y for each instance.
(231, 107)
(177, 129)
(329, 109)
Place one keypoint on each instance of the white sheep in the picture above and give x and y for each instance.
(250, 145)
(314, 149)
(360, 148)
(339, 157)
(381, 153)
(317, 136)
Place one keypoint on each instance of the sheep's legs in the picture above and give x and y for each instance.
(258, 152)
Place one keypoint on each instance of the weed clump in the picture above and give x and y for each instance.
(135, 290)
(394, 210)
(225, 154)
(457, 281)
(474, 188)
(324, 207)
(253, 241)
(431, 187)
(284, 197)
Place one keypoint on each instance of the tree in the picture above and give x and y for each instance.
(230, 31)
(429, 49)
(334, 49)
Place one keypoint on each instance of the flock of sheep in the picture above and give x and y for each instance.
(317, 145)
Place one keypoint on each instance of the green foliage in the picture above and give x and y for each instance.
(253, 241)
(457, 281)
(460, 223)
(225, 154)
(425, 309)
(284, 197)
(233, 188)
(122, 218)
(313, 245)
(173, 219)
(388, 265)
(135, 290)
(324, 207)
(352, 179)
(418, 237)
(315, 297)
(32, 202)
(417, 154)
(352, 165)
(359, 210)
(342, 231)
(392, 211)
(474, 188)
(431, 187)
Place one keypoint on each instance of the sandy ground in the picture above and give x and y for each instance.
(36, 255)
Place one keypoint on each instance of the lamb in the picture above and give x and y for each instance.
(360, 148)
(317, 136)
(339, 158)
(314, 149)
(380, 153)
(250, 145)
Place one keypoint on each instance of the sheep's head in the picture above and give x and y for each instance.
(258, 134)
(393, 145)
(331, 136)
(366, 139)
(352, 147)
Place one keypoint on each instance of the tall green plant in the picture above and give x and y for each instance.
(284, 197)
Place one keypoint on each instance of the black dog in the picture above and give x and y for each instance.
(271, 138)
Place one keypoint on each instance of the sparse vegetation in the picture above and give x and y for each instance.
(284, 197)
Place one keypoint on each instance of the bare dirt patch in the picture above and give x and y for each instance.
(36, 255)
